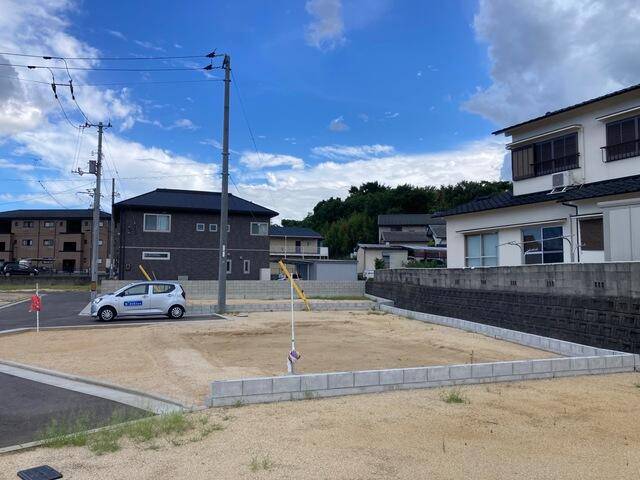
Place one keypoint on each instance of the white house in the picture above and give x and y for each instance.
(576, 191)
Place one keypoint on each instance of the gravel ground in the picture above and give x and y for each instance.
(180, 361)
(571, 428)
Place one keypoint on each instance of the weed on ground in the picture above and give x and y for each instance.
(260, 462)
(176, 428)
(454, 396)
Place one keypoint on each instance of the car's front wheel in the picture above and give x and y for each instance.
(106, 314)
(176, 312)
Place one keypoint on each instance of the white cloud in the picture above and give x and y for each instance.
(391, 114)
(338, 125)
(341, 152)
(364, 117)
(294, 192)
(148, 45)
(260, 160)
(184, 123)
(117, 34)
(326, 31)
(554, 53)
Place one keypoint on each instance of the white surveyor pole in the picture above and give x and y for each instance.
(293, 333)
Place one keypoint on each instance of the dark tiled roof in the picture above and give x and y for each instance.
(603, 188)
(278, 231)
(572, 107)
(165, 198)
(439, 231)
(45, 214)
(405, 236)
(407, 219)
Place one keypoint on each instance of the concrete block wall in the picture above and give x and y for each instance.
(580, 360)
(256, 289)
(283, 307)
(610, 322)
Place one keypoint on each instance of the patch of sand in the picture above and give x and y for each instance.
(180, 361)
(570, 428)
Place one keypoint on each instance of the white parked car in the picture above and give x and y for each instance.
(140, 299)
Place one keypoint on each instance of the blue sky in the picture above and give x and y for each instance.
(337, 92)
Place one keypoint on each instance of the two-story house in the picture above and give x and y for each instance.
(295, 242)
(420, 229)
(174, 234)
(56, 240)
(576, 191)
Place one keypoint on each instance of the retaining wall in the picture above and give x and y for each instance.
(593, 304)
(282, 307)
(257, 289)
(583, 360)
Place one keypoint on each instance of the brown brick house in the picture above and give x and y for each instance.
(57, 239)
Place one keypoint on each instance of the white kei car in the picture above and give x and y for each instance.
(141, 299)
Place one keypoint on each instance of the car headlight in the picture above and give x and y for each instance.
(98, 300)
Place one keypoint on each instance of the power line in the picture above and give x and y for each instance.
(50, 57)
(54, 198)
(115, 84)
(32, 197)
(112, 69)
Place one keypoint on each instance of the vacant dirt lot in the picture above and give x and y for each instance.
(584, 427)
(180, 360)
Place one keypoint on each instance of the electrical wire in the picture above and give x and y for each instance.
(115, 84)
(112, 69)
(48, 57)
(52, 197)
(31, 197)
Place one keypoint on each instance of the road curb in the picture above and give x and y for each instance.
(141, 400)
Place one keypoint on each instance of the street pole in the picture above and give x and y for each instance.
(112, 228)
(95, 230)
(224, 198)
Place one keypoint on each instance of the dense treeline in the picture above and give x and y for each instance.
(345, 223)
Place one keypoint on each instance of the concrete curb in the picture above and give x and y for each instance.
(135, 398)
(582, 360)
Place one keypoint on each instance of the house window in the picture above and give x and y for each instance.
(99, 261)
(591, 234)
(228, 228)
(3, 247)
(623, 139)
(543, 158)
(49, 224)
(482, 250)
(47, 243)
(213, 227)
(228, 265)
(101, 224)
(100, 243)
(246, 266)
(156, 255)
(260, 229)
(543, 245)
(199, 227)
(27, 224)
(27, 243)
(157, 222)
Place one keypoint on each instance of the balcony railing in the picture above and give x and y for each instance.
(623, 150)
(300, 251)
(556, 165)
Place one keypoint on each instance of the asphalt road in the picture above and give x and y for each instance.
(28, 408)
(60, 309)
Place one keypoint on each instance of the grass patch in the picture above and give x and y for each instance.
(343, 297)
(51, 287)
(454, 396)
(260, 463)
(637, 385)
(176, 428)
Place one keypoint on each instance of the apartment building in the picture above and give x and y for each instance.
(576, 191)
(420, 229)
(54, 240)
(174, 234)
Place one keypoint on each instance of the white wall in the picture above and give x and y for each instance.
(591, 136)
(622, 230)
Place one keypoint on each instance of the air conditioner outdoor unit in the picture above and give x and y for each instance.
(560, 182)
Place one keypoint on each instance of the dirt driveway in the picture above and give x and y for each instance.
(572, 428)
(180, 361)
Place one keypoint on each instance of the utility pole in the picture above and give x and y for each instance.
(112, 224)
(224, 200)
(96, 169)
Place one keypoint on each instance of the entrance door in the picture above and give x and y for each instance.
(134, 300)
(68, 266)
(298, 246)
